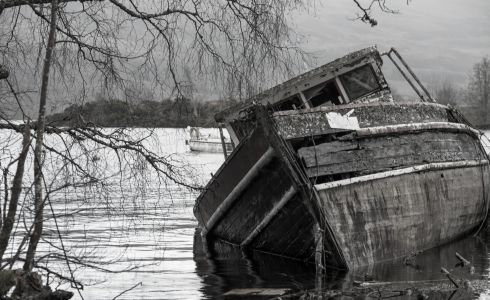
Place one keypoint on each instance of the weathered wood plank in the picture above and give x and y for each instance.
(379, 153)
(414, 128)
(305, 123)
(243, 184)
(327, 148)
(399, 172)
(228, 176)
(290, 233)
(255, 203)
(270, 215)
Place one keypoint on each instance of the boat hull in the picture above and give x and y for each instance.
(395, 214)
(209, 146)
(255, 200)
(349, 198)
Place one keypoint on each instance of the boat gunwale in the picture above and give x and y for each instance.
(413, 128)
(398, 172)
(353, 106)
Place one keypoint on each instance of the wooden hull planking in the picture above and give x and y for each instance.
(254, 205)
(312, 122)
(396, 214)
(378, 149)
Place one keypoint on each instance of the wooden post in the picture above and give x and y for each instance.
(448, 275)
(464, 262)
(319, 262)
(223, 144)
(341, 88)
(304, 100)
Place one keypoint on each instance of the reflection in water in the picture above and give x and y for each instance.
(224, 267)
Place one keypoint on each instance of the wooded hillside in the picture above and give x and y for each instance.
(119, 113)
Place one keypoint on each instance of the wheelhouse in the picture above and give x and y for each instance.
(354, 78)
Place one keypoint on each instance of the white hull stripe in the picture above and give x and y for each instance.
(401, 128)
(414, 169)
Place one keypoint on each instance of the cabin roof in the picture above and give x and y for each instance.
(300, 82)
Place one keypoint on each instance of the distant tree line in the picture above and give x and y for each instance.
(104, 112)
(474, 99)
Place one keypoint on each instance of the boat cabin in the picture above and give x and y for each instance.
(354, 78)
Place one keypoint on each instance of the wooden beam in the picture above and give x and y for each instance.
(273, 212)
(434, 107)
(402, 128)
(319, 252)
(414, 169)
(222, 137)
(377, 154)
(304, 100)
(232, 133)
(305, 123)
(342, 90)
(237, 190)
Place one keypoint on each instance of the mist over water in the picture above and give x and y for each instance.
(154, 239)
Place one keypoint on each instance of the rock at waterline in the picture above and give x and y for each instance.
(7, 281)
(28, 286)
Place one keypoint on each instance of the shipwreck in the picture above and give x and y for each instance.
(329, 169)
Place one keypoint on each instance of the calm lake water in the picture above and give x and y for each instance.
(151, 243)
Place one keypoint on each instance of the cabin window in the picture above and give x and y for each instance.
(288, 104)
(360, 82)
(324, 94)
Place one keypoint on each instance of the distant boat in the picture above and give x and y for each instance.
(207, 140)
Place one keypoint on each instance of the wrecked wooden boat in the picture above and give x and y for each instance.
(329, 169)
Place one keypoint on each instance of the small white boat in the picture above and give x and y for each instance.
(208, 140)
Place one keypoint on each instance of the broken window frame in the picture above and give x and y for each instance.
(345, 86)
(276, 106)
(340, 85)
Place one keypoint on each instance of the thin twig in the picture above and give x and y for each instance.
(130, 289)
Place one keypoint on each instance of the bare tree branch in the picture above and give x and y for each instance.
(366, 11)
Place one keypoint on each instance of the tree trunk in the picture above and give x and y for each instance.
(9, 221)
(38, 150)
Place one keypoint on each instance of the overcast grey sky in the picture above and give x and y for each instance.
(439, 38)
